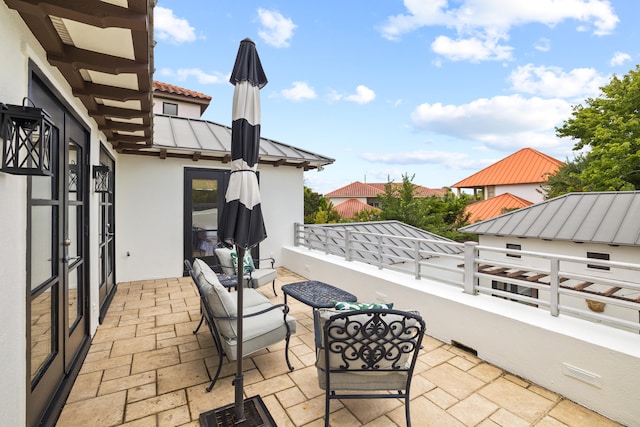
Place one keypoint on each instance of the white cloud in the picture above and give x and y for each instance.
(485, 23)
(619, 58)
(299, 91)
(363, 95)
(276, 30)
(183, 74)
(554, 82)
(543, 45)
(416, 157)
(502, 122)
(170, 28)
(471, 49)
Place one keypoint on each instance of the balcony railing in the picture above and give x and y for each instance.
(581, 287)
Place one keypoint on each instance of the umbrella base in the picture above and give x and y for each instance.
(255, 411)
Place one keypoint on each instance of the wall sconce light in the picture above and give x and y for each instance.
(26, 134)
(73, 178)
(102, 178)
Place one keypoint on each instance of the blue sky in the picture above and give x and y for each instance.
(433, 88)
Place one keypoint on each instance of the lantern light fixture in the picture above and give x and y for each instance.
(26, 133)
(102, 178)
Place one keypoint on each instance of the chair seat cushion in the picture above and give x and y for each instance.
(261, 276)
(258, 331)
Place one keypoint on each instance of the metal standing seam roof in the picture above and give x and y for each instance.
(393, 231)
(610, 217)
(202, 139)
(525, 166)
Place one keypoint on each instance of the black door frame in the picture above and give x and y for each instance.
(190, 174)
(60, 368)
(107, 283)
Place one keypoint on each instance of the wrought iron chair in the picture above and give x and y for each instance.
(265, 324)
(254, 277)
(364, 351)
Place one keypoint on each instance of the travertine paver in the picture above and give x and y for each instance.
(145, 368)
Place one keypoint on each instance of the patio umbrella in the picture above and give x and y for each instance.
(241, 223)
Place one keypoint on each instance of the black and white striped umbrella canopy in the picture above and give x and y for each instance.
(242, 223)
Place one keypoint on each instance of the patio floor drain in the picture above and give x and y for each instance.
(255, 411)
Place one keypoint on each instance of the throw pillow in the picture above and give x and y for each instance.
(344, 305)
(247, 262)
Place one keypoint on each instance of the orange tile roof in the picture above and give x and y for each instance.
(522, 167)
(349, 208)
(495, 206)
(355, 189)
(176, 90)
(359, 189)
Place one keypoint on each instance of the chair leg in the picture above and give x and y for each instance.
(407, 410)
(215, 378)
(286, 352)
(218, 344)
(199, 324)
(273, 285)
(327, 403)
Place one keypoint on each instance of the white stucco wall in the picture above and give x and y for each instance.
(530, 192)
(626, 254)
(525, 341)
(185, 109)
(150, 206)
(18, 46)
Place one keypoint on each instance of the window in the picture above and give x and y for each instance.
(170, 108)
(515, 247)
(598, 255)
(515, 289)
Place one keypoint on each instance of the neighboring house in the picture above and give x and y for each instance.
(602, 226)
(490, 208)
(349, 208)
(177, 101)
(67, 237)
(520, 175)
(368, 193)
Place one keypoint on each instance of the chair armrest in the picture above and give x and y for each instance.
(270, 259)
(285, 310)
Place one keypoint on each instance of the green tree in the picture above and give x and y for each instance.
(311, 204)
(326, 213)
(442, 215)
(366, 215)
(318, 209)
(567, 179)
(609, 127)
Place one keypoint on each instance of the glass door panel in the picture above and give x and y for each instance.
(204, 198)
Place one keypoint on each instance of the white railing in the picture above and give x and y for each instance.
(554, 282)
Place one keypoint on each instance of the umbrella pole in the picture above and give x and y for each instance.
(238, 381)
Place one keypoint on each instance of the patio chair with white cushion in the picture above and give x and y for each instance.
(363, 352)
(264, 323)
(254, 277)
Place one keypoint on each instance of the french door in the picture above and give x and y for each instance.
(106, 238)
(57, 276)
(204, 191)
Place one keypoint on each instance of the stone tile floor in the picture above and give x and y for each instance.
(145, 367)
